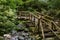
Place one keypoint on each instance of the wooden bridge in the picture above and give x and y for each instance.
(44, 24)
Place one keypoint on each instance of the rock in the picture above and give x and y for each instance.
(25, 34)
(13, 31)
(7, 36)
(14, 38)
(21, 38)
(20, 25)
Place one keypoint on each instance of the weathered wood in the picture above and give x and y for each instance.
(30, 17)
(41, 18)
(52, 30)
(38, 25)
(52, 22)
(47, 35)
(34, 21)
(54, 33)
(42, 30)
(56, 26)
(43, 15)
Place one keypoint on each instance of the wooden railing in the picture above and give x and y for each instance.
(38, 20)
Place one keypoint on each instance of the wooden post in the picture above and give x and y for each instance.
(34, 21)
(42, 30)
(53, 28)
(38, 25)
(30, 16)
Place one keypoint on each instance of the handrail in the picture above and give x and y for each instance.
(34, 15)
(44, 15)
(31, 14)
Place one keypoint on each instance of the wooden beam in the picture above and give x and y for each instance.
(51, 29)
(44, 15)
(35, 15)
(42, 30)
(56, 26)
(52, 22)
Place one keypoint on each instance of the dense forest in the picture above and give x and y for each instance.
(10, 8)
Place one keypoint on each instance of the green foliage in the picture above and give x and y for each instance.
(33, 5)
(7, 16)
(54, 4)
